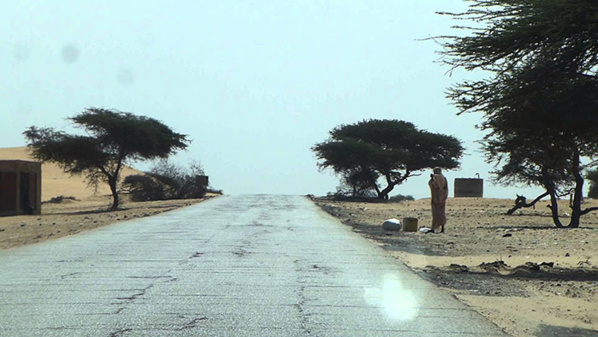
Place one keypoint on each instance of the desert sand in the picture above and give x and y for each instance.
(524, 274)
(56, 182)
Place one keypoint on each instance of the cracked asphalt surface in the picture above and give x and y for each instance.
(257, 265)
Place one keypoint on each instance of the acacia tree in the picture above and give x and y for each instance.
(540, 104)
(113, 139)
(389, 149)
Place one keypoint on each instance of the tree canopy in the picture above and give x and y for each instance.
(390, 149)
(112, 139)
(540, 102)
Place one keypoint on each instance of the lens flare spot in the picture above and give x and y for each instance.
(396, 302)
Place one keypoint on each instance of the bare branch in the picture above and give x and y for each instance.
(521, 202)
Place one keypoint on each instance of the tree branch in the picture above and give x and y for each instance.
(521, 202)
(588, 210)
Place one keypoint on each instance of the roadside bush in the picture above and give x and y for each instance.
(346, 190)
(344, 195)
(400, 197)
(213, 191)
(59, 199)
(144, 188)
(167, 181)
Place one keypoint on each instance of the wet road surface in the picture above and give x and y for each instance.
(232, 266)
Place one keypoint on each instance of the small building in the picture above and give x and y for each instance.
(202, 181)
(469, 188)
(20, 187)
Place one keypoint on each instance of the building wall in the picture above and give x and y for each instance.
(20, 187)
(469, 188)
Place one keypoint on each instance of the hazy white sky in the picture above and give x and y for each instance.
(255, 84)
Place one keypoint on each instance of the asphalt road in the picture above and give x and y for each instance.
(231, 266)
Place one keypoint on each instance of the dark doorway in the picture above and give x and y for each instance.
(27, 191)
(8, 190)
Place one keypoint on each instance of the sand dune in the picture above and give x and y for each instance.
(56, 182)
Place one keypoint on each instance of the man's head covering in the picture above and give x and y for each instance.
(437, 170)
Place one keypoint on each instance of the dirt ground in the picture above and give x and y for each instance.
(75, 216)
(520, 271)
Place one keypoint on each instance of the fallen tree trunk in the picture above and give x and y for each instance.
(521, 202)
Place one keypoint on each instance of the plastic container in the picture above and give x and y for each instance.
(410, 224)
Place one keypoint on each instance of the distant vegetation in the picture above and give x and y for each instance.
(111, 139)
(339, 196)
(400, 198)
(391, 151)
(168, 181)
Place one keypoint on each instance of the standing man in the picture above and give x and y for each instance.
(439, 190)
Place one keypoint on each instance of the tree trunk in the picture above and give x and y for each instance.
(575, 204)
(377, 190)
(554, 208)
(113, 182)
(115, 199)
(383, 195)
(577, 194)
